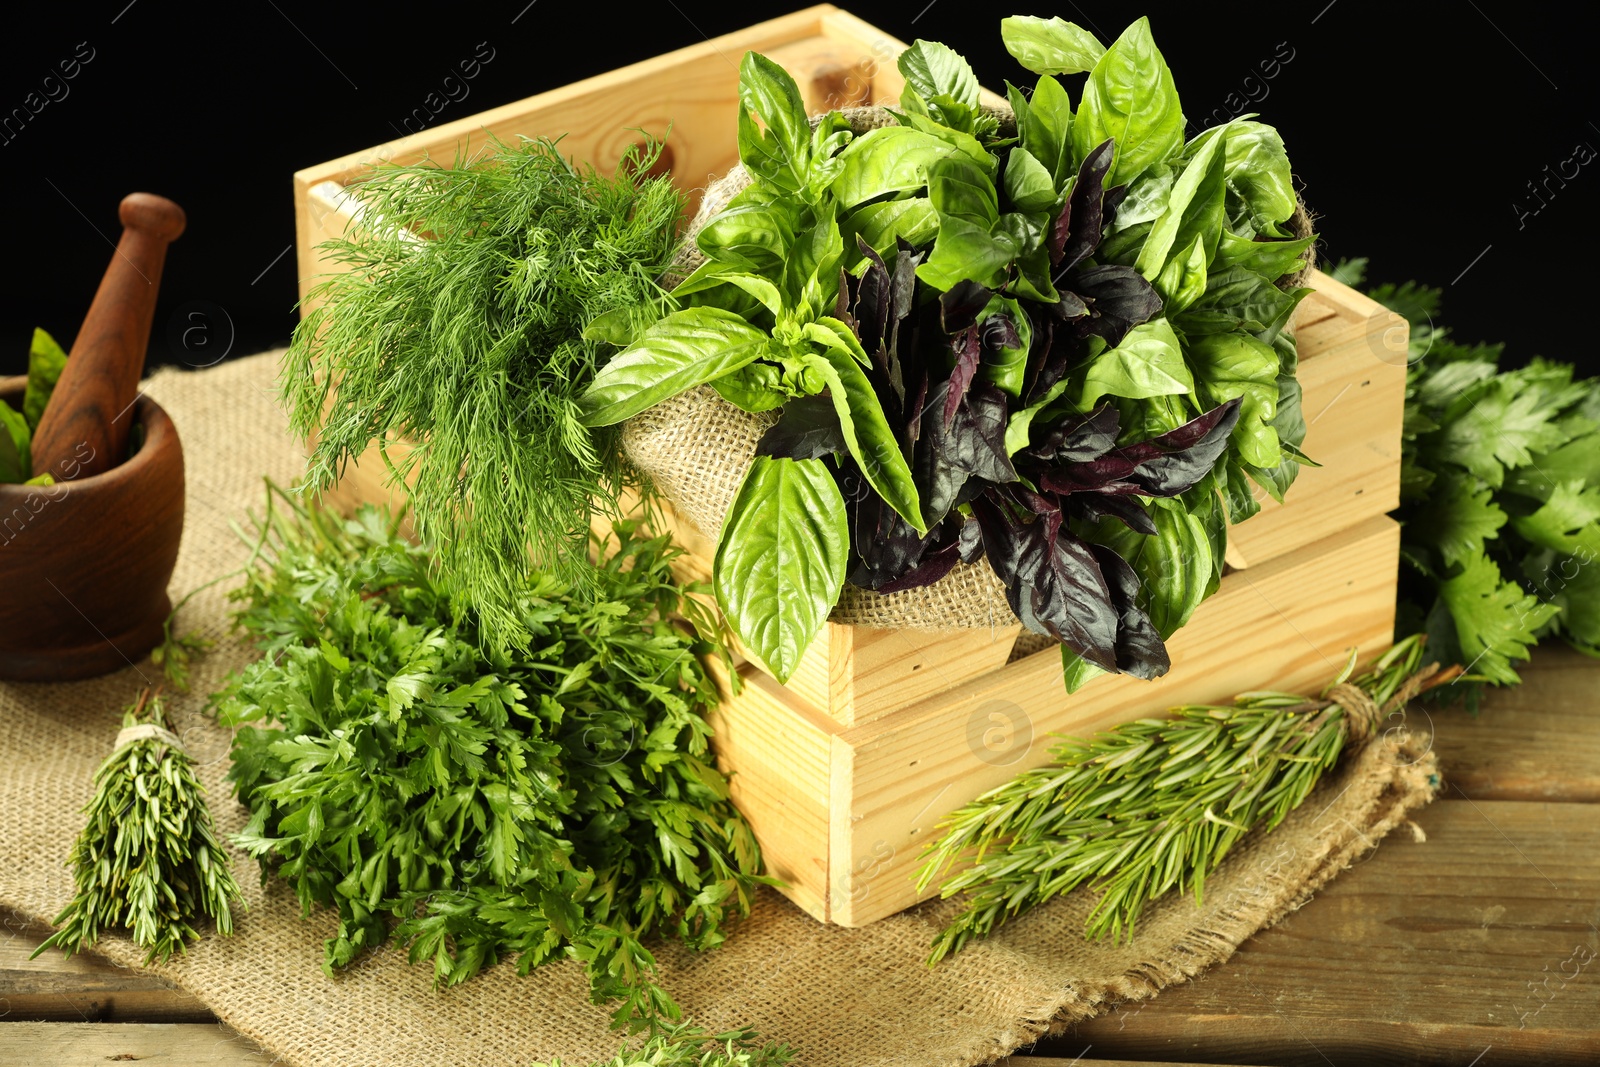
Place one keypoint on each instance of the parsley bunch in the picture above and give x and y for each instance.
(1500, 497)
(552, 799)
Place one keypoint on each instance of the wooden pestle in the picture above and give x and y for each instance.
(84, 429)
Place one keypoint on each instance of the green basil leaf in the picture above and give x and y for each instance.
(46, 361)
(964, 251)
(1028, 184)
(881, 224)
(894, 159)
(1229, 365)
(1130, 96)
(1076, 671)
(1174, 564)
(781, 154)
(1147, 363)
(756, 386)
(829, 332)
(1050, 46)
(867, 432)
(781, 559)
(960, 140)
(1195, 206)
(1270, 259)
(1007, 367)
(1237, 298)
(683, 350)
(1048, 133)
(960, 190)
(932, 69)
(811, 274)
(1183, 280)
(1020, 423)
(1257, 169)
(16, 462)
(759, 230)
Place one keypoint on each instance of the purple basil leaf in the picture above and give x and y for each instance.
(1070, 306)
(1079, 438)
(971, 445)
(1119, 299)
(872, 305)
(1000, 331)
(1139, 648)
(971, 542)
(960, 305)
(1086, 213)
(808, 428)
(883, 546)
(1173, 462)
(1108, 474)
(1092, 507)
(936, 563)
(968, 348)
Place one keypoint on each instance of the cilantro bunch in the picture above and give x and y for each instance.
(552, 799)
(1499, 497)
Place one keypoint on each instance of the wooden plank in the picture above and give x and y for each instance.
(693, 90)
(1536, 741)
(1298, 616)
(1353, 394)
(875, 672)
(1478, 945)
(81, 988)
(779, 758)
(95, 1044)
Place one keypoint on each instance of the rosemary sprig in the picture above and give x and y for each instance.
(469, 345)
(149, 859)
(1155, 805)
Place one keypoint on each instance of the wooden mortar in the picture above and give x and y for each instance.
(84, 564)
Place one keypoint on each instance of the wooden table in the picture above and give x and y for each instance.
(1477, 948)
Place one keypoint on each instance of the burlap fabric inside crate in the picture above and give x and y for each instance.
(844, 998)
(696, 447)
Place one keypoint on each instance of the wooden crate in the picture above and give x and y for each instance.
(845, 771)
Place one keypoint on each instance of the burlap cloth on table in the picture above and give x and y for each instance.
(696, 448)
(849, 998)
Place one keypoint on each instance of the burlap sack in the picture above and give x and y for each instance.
(843, 998)
(696, 447)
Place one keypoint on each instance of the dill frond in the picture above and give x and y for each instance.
(456, 326)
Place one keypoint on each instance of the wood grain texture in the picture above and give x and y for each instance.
(81, 988)
(1536, 741)
(1298, 615)
(693, 90)
(85, 427)
(1482, 940)
(84, 564)
(96, 1044)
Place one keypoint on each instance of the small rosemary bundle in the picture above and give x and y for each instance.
(149, 859)
(1155, 805)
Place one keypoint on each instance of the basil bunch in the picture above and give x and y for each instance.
(1059, 347)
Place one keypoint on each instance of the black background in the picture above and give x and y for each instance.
(1414, 128)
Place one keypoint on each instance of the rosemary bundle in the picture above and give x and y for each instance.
(1155, 805)
(687, 1045)
(469, 345)
(149, 859)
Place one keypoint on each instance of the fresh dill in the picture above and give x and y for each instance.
(453, 339)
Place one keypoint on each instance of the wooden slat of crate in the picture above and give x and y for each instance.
(692, 90)
(1353, 376)
(1288, 624)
